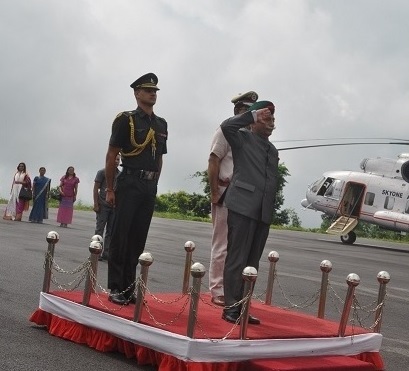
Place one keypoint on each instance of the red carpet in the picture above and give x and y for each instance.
(286, 340)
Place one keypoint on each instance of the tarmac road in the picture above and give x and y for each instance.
(24, 346)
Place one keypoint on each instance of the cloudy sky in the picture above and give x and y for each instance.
(334, 69)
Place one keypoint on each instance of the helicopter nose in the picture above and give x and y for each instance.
(304, 203)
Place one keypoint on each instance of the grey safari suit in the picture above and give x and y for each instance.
(250, 199)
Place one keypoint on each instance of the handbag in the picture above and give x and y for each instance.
(25, 194)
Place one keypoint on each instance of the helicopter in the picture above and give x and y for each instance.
(378, 194)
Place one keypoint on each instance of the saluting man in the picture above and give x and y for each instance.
(250, 198)
(140, 136)
(220, 172)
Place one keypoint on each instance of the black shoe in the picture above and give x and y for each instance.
(253, 320)
(232, 317)
(117, 298)
(131, 299)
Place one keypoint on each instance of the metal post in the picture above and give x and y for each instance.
(95, 249)
(52, 238)
(249, 275)
(353, 280)
(145, 260)
(198, 271)
(100, 239)
(326, 267)
(189, 248)
(383, 278)
(273, 257)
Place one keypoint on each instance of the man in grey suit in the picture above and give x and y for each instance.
(250, 198)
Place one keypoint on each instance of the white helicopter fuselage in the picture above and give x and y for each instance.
(372, 198)
(378, 195)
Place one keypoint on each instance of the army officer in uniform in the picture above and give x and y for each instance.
(140, 136)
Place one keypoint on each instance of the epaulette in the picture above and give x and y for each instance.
(161, 119)
(125, 113)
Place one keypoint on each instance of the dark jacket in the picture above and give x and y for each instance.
(253, 187)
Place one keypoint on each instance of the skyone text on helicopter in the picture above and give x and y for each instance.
(392, 193)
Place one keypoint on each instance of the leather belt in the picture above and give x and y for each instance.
(142, 174)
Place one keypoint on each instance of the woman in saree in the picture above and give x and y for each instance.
(41, 189)
(68, 189)
(16, 206)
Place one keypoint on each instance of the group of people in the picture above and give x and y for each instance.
(39, 190)
(243, 176)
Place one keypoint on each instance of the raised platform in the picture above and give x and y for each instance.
(286, 340)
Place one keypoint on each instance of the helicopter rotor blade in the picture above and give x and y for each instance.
(341, 144)
(322, 139)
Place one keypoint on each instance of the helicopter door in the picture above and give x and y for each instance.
(349, 208)
(352, 199)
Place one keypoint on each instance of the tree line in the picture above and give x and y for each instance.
(198, 205)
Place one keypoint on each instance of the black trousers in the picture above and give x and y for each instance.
(245, 244)
(134, 205)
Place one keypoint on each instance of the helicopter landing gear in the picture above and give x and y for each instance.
(349, 238)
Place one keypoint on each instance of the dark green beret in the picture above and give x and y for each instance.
(149, 81)
(263, 104)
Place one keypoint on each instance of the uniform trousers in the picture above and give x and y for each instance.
(134, 205)
(104, 222)
(219, 249)
(246, 240)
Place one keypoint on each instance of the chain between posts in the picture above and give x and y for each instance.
(85, 269)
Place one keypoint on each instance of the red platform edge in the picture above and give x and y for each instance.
(106, 342)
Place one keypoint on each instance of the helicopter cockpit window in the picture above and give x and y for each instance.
(369, 198)
(324, 186)
(317, 184)
(334, 190)
(389, 202)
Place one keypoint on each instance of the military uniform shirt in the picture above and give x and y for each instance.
(148, 159)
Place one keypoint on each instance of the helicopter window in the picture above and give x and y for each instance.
(407, 207)
(369, 198)
(389, 202)
(334, 190)
(317, 184)
(325, 186)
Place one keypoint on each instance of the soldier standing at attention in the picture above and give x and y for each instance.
(140, 136)
(220, 172)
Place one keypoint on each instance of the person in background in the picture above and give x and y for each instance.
(103, 210)
(68, 189)
(41, 189)
(16, 206)
(141, 137)
(220, 171)
(250, 198)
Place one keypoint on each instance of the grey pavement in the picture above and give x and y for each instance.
(24, 346)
